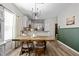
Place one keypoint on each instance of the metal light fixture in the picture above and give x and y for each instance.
(35, 12)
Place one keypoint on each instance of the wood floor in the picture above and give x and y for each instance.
(52, 50)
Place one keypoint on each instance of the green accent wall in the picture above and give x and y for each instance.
(69, 36)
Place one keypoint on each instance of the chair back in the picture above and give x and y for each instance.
(40, 43)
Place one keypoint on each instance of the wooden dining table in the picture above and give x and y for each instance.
(36, 38)
(22, 38)
(25, 38)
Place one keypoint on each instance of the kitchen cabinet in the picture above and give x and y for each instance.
(38, 25)
(25, 21)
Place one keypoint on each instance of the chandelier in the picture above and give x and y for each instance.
(35, 12)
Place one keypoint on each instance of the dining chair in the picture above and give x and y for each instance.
(39, 47)
(26, 47)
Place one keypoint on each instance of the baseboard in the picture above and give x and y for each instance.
(66, 47)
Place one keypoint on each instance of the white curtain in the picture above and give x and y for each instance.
(9, 25)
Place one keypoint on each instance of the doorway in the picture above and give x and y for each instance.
(56, 29)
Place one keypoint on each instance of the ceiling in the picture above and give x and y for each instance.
(45, 10)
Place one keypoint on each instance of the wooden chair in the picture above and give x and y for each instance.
(26, 47)
(39, 47)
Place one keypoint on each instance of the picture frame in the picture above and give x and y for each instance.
(70, 20)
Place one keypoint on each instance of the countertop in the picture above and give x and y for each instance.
(38, 31)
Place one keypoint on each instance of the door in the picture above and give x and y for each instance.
(56, 29)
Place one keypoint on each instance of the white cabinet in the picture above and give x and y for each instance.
(25, 21)
(50, 26)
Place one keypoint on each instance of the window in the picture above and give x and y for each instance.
(9, 25)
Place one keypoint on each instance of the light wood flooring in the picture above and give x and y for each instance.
(52, 50)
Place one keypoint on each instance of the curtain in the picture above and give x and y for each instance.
(9, 25)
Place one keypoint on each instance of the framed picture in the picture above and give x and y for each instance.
(70, 20)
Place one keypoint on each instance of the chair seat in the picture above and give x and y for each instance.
(39, 46)
(28, 45)
(25, 46)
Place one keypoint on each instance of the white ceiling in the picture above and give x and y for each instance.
(46, 10)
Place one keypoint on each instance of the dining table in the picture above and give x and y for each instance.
(36, 38)
(21, 38)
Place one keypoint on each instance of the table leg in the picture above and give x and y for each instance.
(15, 44)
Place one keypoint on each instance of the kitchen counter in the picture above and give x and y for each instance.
(39, 33)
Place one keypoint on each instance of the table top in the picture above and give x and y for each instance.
(21, 38)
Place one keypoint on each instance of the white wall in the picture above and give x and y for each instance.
(50, 26)
(71, 10)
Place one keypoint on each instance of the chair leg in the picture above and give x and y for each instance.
(29, 52)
